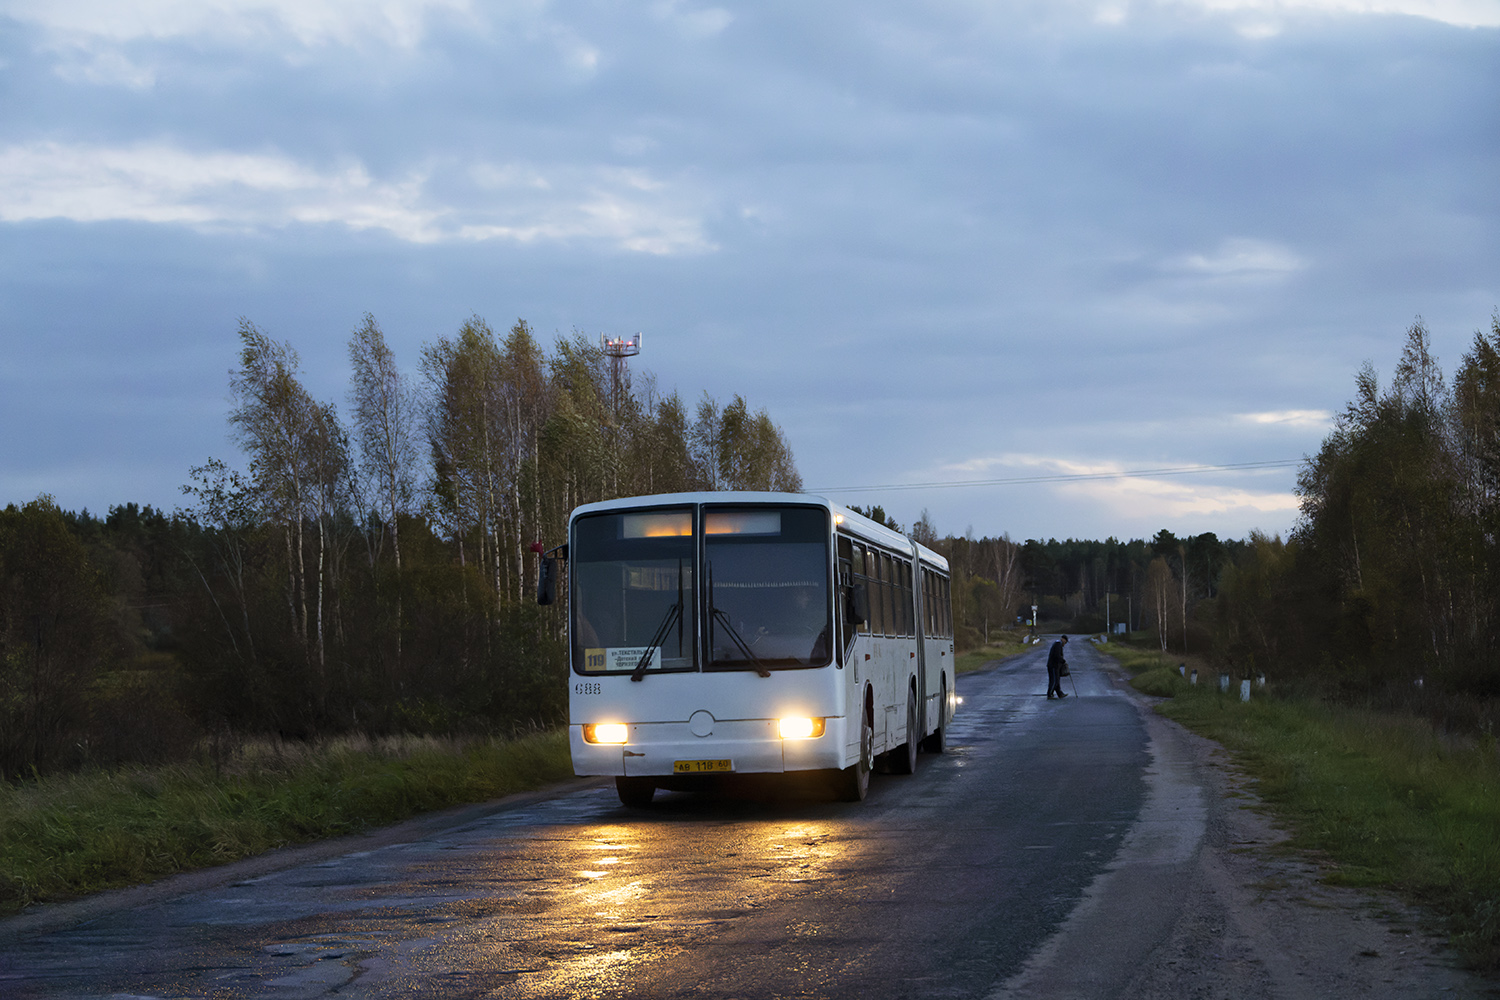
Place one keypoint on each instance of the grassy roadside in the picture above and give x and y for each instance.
(79, 834)
(1381, 799)
(1005, 644)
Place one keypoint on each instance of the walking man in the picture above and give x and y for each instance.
(1055, 665)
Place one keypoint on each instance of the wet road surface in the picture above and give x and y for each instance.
(941, 884)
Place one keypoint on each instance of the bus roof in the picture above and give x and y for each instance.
(851, 520)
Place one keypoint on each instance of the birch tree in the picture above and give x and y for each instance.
(1160, 595)
(462, 433)
(384, 410)
(272, 417)
(524, 399)
(705, 443)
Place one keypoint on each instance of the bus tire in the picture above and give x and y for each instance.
(904, 758)
(937, 741)
(854, 780)
(636, 793)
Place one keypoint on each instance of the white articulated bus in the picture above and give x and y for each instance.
(750, 633)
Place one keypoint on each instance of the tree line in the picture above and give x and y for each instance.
(1157, 586)
(1388, 588)
(367, 569)
(371, 570)
(1386, 591)
(1076, 585)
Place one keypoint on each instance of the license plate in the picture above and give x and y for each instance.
(700, 766)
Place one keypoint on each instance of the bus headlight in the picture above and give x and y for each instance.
(800, 729)
(605, 732)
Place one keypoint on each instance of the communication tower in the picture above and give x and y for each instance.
(617, 349)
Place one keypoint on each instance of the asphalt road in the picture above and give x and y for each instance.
(946, 883)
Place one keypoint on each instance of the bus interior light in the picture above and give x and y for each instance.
(606, 732)
(742, 522)
(657, 524)
(800, 729)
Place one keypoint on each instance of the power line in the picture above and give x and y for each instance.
(1186, 470)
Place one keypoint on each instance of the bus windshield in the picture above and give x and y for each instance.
(766, 578)
(634, 605)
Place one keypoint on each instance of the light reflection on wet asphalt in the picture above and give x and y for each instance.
(939, 885)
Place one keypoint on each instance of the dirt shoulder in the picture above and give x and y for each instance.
(1202, 903)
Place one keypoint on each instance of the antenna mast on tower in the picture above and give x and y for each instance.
(617, 350)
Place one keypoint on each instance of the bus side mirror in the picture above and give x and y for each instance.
(546, 572)
(859, 604)
(546, 581)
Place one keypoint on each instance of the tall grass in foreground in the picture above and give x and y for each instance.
(1383, 799)
(66, 836)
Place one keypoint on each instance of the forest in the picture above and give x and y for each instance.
(1388, 589)
(370, 570)
(1386, 592)
(365, 570)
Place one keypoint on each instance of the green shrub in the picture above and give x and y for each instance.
(1162, 682)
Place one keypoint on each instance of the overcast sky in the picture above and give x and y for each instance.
(945, 242)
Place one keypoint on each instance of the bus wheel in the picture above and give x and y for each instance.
(904, 758)
(937, 741)
(635, 792)
(854, 780)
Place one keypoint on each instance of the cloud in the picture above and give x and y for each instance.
(1197, 290)
(164, 185)
(1169, 500)
(1463, 13)
(108, 67)
(1129, 495)
(309, 22)
(124, 42)
(1241, 258)
(693, 22)
(1266, 18)
(1290, 419)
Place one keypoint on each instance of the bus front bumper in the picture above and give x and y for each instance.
(752, 746)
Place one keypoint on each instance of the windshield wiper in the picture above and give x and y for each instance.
(673, 615)
(715, 614)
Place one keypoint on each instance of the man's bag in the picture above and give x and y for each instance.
(1062, 671)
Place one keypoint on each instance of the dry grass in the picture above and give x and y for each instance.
(76, 834)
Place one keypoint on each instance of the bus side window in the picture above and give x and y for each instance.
(846, 609)
(947, 622)
(883, 567)
(908, 607)
(898, 595)
(872, 590)
(897, 603)
(898, 613)
(858, 565)
(929, 616)
(921, 588)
